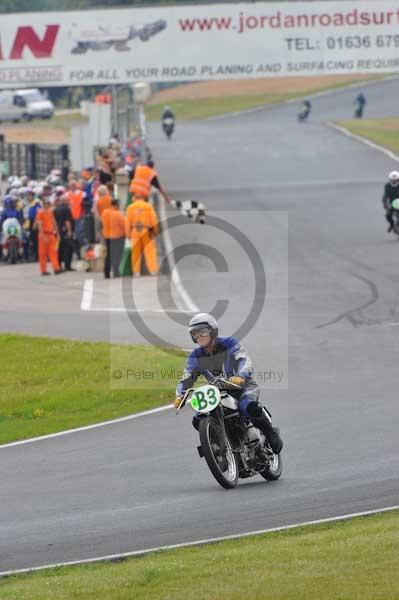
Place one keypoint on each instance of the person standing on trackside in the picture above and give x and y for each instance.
(48, 238)
(142, 229)
(64, 220)
(145, 177)
(113, 223)
(75, 197)
(102, 201)
(34, 205)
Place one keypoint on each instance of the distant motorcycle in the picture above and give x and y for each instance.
(231, 445)
(359, 111)
(360, 103)
(12, 246)
(305, 111)
(168, 126)
(395, 216)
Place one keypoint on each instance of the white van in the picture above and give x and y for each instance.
(24, 105)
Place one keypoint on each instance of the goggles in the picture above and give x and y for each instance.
(202, 332)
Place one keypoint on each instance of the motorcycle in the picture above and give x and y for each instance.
(304, 112)
(12, 249)
(12, 244)
(168, 126)
(395, 216)
(359, 111)
(231, 445)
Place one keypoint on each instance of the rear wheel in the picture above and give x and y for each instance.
(221, 461)
(13, 254)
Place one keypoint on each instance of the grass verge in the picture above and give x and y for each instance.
(381, 131)
(50, 385)
(350, 560)
(201, 108)
(64, 122)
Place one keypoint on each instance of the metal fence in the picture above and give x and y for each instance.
(34, 160)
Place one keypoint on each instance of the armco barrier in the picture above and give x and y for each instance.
(34, 160)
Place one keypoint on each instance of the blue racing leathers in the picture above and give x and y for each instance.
(228, 358)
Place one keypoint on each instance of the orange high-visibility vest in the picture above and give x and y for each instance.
(140, 216)
(141, 183)
(75, 203)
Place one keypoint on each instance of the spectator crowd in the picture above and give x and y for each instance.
(80, 219)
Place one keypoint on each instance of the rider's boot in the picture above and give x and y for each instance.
(261, 419)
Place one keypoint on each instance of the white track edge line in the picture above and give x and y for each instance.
(87, 296)
(115, 557)
(139, 310)
(363, 140)
(87, 427)
(191, 306)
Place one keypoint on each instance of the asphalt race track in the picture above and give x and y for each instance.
(309, 200)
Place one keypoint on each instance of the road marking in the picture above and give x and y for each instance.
(191, 306)
(363, 140)
(117, 557)
(87, 297)
(87, 427)
(140, 310)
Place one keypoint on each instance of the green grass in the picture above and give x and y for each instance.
(352, 560)
(202, 108)
(381, 131)
(50, 385)
(63, 122)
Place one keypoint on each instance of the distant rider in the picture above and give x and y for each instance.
(168, 113)
(360, 102)
(391, 193)
(11, 227)
(10, 211)
(168, 121)
(305, 110)
(226, 357)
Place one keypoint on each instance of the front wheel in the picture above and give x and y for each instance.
(221, 461)
(274, 469)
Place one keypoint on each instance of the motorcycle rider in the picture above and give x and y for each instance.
(11, 227)
(360, 102)
(10, 210)
(168, 120)
(226, 357)
(391, 193)
(168, 113)
(305, 110)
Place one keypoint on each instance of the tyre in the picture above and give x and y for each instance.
(221, 462)
(26, 117)
(274, 470)
(13, 254)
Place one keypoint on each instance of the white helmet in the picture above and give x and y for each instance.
(203, 320)
(394, 177)
(15, 183)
